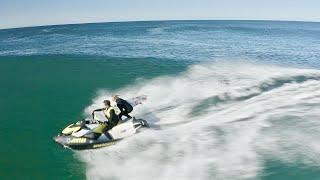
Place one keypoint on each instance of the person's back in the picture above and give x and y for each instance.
(123, 105)
(112, 117)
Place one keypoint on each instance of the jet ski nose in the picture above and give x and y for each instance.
(60, 139)
(57, 139)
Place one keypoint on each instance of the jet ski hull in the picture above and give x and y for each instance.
(82, 143)
(86, 139)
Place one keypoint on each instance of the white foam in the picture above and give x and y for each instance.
(218, 121)
(157, 30)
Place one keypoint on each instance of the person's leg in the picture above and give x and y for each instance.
(120, 115)
(126, 114)
(109, 126)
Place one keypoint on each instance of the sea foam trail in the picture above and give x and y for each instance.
(215, 121)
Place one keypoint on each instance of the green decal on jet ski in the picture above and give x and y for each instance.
(78, 140)
(70, 129)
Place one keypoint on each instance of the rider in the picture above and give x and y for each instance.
(123, 105)
(109, 113)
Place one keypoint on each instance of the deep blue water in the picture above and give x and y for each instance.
(294, 43)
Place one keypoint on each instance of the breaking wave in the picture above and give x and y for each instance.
(215, 121)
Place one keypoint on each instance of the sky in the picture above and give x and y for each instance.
(22, 13)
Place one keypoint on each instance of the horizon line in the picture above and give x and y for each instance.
(159, 20)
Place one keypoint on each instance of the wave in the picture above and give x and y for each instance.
(217, 121)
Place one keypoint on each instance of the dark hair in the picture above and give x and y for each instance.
(107, 102)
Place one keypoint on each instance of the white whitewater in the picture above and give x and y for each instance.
(215, 121)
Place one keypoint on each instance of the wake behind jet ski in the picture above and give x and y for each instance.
(91, 133)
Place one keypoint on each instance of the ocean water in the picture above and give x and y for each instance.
(226, 99)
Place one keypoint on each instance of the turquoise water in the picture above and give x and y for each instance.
(45, 93)
(233, 99)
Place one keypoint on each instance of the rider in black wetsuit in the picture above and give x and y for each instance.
(123, 105)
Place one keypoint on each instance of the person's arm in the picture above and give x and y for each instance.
(97, 110)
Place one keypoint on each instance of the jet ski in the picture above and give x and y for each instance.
(88, 134)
